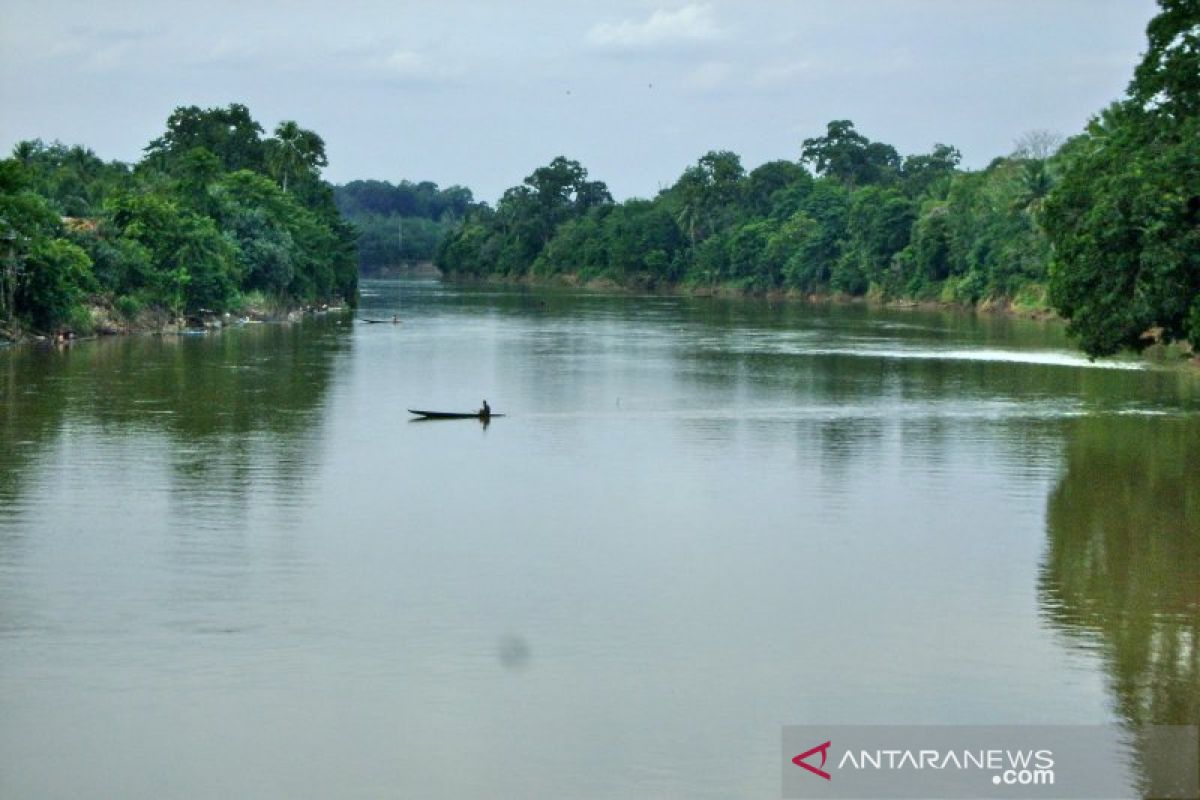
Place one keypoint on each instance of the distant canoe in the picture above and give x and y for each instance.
(450, 414)
(379, 321)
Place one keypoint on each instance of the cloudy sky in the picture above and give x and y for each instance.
(480, 93)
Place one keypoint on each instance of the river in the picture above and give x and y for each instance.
(231, 566)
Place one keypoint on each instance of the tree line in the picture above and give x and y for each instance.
(851, 216)
(400, 223)
(1105, 228)
(215, 215)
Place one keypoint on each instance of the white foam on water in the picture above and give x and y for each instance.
(1051, 358)
(981, 409)
(1042, 358)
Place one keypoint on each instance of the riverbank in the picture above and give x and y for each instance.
(1000, 306)
(1158, 353)
(103, 319)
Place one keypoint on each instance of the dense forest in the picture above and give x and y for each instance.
(400, 224)
(1104, 228)
(214, 218)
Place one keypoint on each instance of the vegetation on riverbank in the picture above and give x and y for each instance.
(1105, 229)
(214, 219)
(868, 224)
(400, 224)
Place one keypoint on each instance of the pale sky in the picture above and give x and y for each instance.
(481, 93)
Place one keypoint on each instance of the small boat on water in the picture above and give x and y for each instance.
(452, 414)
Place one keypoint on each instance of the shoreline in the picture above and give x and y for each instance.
(996, 307)
(157, 322)
(1175, 354)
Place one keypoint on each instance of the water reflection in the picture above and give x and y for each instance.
(201, 451)
(231, 406)
(239, 548)
(1120, 575)
(33, 387)
(31, 412)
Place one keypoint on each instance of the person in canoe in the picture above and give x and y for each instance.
(485, 413)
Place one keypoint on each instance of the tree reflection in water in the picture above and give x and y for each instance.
(1121, 575)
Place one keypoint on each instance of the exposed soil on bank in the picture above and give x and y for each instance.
(106, 321)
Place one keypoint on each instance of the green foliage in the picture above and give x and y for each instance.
(196, 171)
(512, 239)
(212, 211)
(1125, 217)
(907, 227)
(846, 155)
(878, 228)
(472, 249)
(1167, 81)
(193, 266)
(552, 195)
(405, 199)
(401, 223)
(982, 239)
(798, 245)
(579, 247)
(55, 281)
(707, 196)
(930, 174)
(639, 239)
(390, 240)
(768, 187)
(930, 249)
(80, 321)
(1118, 209)
(747, 261)
(230, 134)
(270, 228)
(294, 152)
(72, 180)
(128, 306)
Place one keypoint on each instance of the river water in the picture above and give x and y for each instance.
(231, 566)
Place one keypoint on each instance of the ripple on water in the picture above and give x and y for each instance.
(1051, 358)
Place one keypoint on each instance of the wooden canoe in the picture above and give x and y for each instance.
(450, 414)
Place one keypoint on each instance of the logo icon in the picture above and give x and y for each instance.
(823, 749)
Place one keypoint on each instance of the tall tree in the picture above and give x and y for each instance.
(230, 134)
(1168, 78)
(708, 193)
(1125, 218)
(294, 151)
(845, 154)
(926, 172)
(561, 190)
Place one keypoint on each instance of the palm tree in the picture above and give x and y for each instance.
(687, 217)
(294, 150)
(1035, 182)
